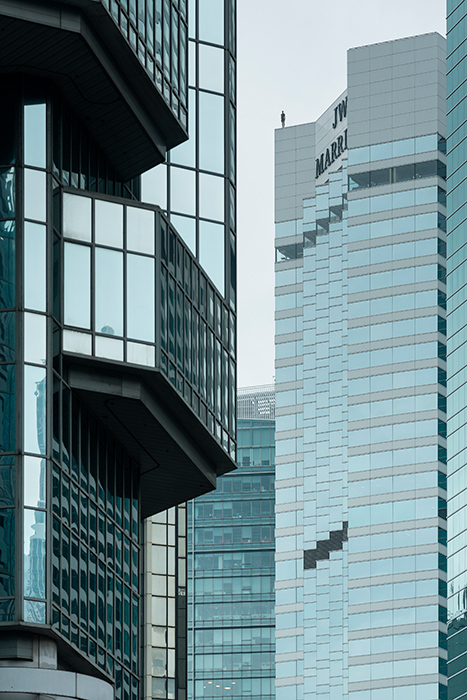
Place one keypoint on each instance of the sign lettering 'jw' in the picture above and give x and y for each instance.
(338, 146)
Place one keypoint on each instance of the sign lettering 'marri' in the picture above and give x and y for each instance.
(331, 154)
(340, 113)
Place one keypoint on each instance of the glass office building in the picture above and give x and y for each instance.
(117, 339)
(361, 385)
(457, 455)
(231, 567)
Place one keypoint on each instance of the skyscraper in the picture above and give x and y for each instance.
(361, 385)
(117, 333)
(231, 567)
(457, 458)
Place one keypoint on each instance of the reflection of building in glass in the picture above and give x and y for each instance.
(361, 385)
(119, 403)
(231, 567)
(457, 403)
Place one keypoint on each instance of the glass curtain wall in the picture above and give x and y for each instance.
(231, 567)
(457, 265)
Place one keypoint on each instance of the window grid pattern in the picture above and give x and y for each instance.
(197, 187)
(457, 456)
(188, 329)
(380, 443)
(157, 32)
(231, 575)
(166, 605)
(95, 543)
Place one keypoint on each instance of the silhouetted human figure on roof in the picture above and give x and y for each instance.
(283, 119)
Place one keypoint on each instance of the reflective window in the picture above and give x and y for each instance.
(211, 68)
(34, 553)
(35, 348)
(109, 291)
(77, 285)
(186, 227)
(7, 193)
(77, 217)
(35, 194)
(108, 223)
(140, 231)
(212, 251)
(34, 266)
(211, 197)
(35, 399)
(154, 186)
(182, 198)
(211, 132)
(211, 21)
(140, 298)
(35, 472)
(35, 135)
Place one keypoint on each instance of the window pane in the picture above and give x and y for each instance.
(186, 227)
(140, 230)
(108, 223)
(35, 135)
(140, 298)
(211, 21)
(35, 194)
(35, 338)
(34, 482)
(34, 409)
(211, 197)
(77, 217)
(109, 291)
(211, 252)
(34, 266)
(7, 193)
(182, 197)
(34, 553)
(211, 132)
(77, 283)
(211, 68)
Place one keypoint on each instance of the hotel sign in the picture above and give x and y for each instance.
(337, 147)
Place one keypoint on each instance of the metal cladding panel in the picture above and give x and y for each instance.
(98, 75)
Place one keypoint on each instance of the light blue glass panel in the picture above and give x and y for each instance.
(35, 402)
(211, 21)
(108, 223)
(211, 252)
(7, 193)
(35, 338)
(109, 291)
(211, 197)
(34, 553)
(211, 68)
(211, 132)
(140, 298)
(34, 266)
(35, 198)
(77, 285)
(140, 230)
(182, 191)
(77, 213)
(35, 135)
(186, 228)
(154, 186)
(34, 478)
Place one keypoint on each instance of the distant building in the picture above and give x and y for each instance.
(457, 398)
(361, 385)
(231, 567)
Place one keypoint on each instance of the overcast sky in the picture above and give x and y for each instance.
(292, 57)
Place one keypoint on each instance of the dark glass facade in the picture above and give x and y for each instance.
(117, 359)
(231, 567)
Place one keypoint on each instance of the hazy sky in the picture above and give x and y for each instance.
(292, 57)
